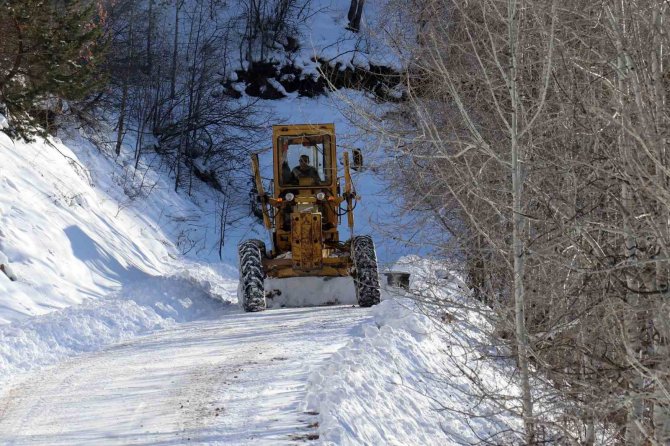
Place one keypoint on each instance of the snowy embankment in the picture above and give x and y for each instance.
(145, 306)
(406, 379)
(87, 254)
(63, 235)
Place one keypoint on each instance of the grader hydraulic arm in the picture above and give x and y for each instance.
(262, 196)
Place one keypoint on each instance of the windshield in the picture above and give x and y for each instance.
(305, 160)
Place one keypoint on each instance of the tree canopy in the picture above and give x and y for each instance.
(50, 51)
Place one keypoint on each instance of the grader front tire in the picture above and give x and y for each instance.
(366, 277)
(251, 275)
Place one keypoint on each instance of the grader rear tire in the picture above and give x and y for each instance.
(366, 277)
(251, 275)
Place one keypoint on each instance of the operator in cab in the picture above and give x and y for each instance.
(304, 170)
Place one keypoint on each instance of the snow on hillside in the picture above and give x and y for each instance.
(70, 230)
(406, 379)
(325, 36)
(87, 261)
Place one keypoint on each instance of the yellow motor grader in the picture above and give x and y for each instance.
(302, 214)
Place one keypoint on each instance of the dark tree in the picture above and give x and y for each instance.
(355, 14)
(49, 52)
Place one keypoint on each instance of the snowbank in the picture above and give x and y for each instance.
(141, 307)
(87, 256)
(64, 238)
(76, 224)
(405, 381)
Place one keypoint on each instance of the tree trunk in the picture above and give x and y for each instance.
(660, 346)
(124, 89)
(517, 229)
(150, 32)
(354, 15)
(175, 50)
(120, 128)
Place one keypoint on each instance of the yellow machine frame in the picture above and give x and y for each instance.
(310, 244)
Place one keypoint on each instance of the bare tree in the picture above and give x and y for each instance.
(536, 133)
(355, 14)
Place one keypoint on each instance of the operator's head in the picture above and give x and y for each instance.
(304, 161)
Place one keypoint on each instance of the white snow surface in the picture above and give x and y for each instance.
(329, 39)
(116, 323)
(114, 337)
(400, 381)
(64, 235)
(144, 306)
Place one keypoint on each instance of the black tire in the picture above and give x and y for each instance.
(252, 286)
(366, 277)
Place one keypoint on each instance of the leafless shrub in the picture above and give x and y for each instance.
(536, 135)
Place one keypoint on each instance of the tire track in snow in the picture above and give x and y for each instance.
(236, 381)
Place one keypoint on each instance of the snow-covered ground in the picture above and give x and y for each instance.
(232, 379)
(406, 379)
(118, 322)
(110, 336)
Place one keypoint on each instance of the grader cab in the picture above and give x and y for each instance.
(303, 214)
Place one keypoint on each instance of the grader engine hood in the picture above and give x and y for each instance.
(306, 239)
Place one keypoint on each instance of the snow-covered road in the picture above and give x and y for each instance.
(237, 380)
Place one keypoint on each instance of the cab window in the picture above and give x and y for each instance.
(304, 160)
